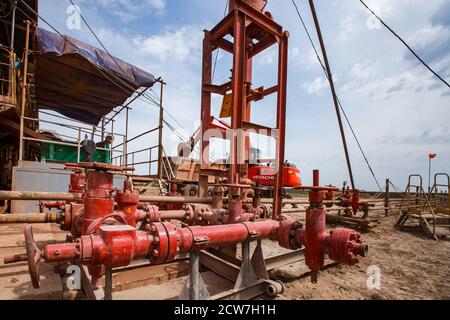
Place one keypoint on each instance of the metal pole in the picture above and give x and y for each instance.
(79, 145)
(103, 128)
(24, 85)
(126, 137)
(333, 91)
(429, 173)
(160, 132)
(386, 199)
(281, 124)
(108, 284)
(13, 26)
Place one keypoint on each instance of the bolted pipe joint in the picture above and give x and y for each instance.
(344, 245)
(290, 234)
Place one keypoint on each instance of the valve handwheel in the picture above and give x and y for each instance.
(34, 256)
(100, 166)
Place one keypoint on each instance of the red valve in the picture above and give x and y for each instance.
(342, 245)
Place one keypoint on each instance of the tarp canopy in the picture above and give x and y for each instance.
(80, 81)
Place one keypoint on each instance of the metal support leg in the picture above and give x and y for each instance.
(258, 262)
(195, 288)
(108, 284)
(247, 274)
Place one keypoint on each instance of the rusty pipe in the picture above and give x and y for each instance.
(167, 199)
(31, 217)
(172, 214)
(31, 195)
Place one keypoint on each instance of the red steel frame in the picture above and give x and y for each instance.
(253, 31)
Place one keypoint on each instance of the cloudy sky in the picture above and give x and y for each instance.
(399, 111)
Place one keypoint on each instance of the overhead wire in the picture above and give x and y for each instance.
(338, 100)
(405, 44)
(145, 95)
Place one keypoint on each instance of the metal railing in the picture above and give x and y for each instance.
(76, 139)
(8, 96)
(135, 158)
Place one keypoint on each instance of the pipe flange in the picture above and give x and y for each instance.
(345, 245)
(153, 214)
(286, 234)
(164, 242)
(190, 214)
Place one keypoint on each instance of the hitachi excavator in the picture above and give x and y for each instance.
(260, 171)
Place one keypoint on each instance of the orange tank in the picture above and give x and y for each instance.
(265, 175)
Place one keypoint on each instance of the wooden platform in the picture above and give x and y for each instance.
(14, 279)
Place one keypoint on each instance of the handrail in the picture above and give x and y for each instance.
(434, 189)
(431, 209)
(72, 127)
(420, 192)
(65, 143)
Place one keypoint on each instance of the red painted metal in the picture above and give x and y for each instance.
(351, 198)
(127, 200)
(342, 245)
(252, 31)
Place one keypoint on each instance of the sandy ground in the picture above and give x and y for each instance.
(412, 267)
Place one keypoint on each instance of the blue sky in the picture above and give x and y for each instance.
(398, 110)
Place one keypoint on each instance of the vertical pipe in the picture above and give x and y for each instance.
(333, 91)
(205, 113)
(316, 178)
(386, 199)
(239, 101)
(281, 124)
(24, 88)
(160, 131)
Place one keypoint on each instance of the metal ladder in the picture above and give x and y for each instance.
(416, 206)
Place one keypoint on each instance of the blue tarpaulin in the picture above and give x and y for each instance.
(80, 81)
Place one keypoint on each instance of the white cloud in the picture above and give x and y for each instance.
(181, 45)
(432, 35)
(347, 28)
(364, 71)
(129, 10)
(316, 86)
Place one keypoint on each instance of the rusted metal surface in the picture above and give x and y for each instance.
(253, 30)
(31, 217)
(30, 195)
